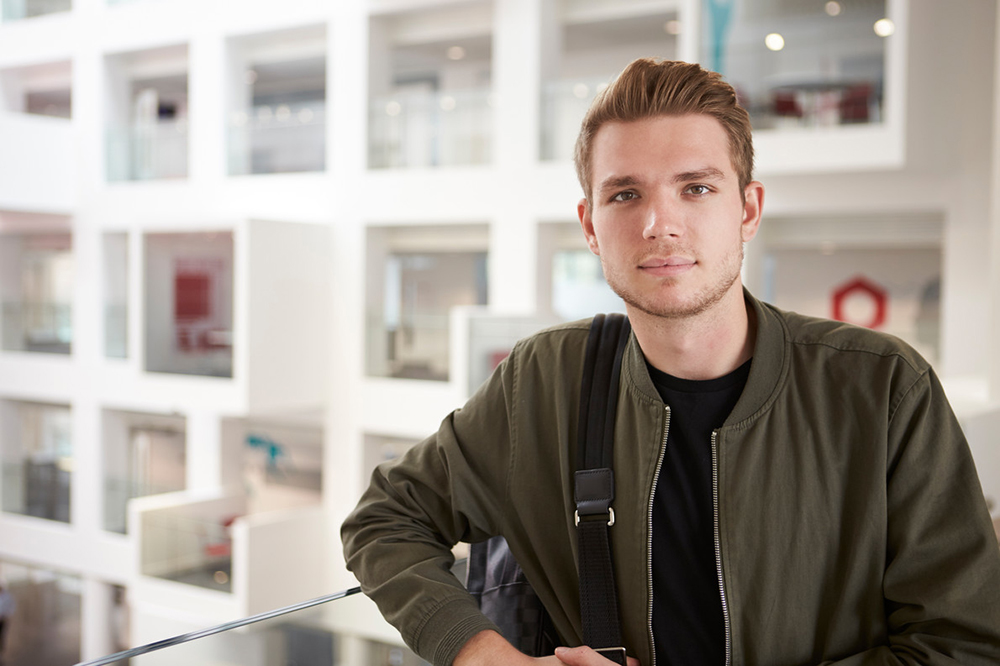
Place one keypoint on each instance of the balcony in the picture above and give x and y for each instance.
(430, 87)
(278, 108)
(207, 549)
(592, 41)
(147, 111)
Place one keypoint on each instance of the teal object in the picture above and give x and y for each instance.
(720, 13)
(272, 449)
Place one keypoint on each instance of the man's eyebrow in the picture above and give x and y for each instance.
(614, 182)
(708, 173)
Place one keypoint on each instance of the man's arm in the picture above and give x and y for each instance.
(942, 578)
(447, 489)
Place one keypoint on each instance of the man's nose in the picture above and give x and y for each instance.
(662, 220)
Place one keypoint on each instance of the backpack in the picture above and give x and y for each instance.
(494, 577)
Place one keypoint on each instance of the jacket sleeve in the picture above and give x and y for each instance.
(942, 577)
(449, 488)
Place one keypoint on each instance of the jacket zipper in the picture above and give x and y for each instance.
(649, 532)
(718, 546)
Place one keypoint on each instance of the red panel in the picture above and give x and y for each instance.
(191, 296)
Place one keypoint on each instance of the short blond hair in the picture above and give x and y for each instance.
(650, 87)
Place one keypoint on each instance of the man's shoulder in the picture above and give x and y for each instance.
(807, 332)
(554, 337)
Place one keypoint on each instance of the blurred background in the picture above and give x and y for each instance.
(249, 250)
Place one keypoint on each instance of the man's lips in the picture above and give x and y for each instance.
(666, 266)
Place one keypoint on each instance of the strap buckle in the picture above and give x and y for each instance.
(611, 521)
(615, 654)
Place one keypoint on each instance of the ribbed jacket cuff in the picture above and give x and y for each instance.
(447, 631)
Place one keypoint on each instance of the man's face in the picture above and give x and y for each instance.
(668, 218)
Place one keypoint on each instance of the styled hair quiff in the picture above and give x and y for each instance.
(649, 87)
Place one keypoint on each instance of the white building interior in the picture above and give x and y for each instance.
(248, 251)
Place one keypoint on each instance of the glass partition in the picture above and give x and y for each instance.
(14, 10)
(415, 276)
(189, 303)
(800, 64)
(144, 454)
(318, 632)
(36, 282)
(44, 629)
(37, 454)
(115, 268)
(426, 128)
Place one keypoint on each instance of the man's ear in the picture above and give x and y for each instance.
(753, 208)
(587, 224)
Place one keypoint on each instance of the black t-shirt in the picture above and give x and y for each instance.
(688, 625)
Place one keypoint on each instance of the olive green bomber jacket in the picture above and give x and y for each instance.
(851, 526)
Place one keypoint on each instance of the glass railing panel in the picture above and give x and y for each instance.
(14, 10)
(414, 349)
(564, 103)
(284, 138)
(187, 549)
(117, 493)
(116, 331)
(319, 632)
(38, 488)
(37, 327)
(148, 151)
(430, 129)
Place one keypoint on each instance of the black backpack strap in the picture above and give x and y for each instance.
(594, 484)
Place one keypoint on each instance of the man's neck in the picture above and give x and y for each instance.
(704, 346)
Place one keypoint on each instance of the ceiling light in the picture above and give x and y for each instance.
(447, 103)
(393, 108)
(672, 27)
(456, 53)
(833, 8)
(581, 90)
(774, 41)
(884, 27)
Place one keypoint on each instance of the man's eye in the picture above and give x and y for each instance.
(624, 196)
(699, 189)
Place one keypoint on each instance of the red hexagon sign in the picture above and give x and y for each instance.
(861, 287)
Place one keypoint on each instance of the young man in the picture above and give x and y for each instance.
(789, 490)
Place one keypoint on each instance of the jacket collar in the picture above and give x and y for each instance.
(766, 372)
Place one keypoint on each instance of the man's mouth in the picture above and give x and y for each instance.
(666, 266)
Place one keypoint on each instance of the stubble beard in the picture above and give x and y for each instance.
(648, 302)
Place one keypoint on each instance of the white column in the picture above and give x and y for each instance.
(347, 95)
(97, 605)
(204, 445)
(87, 488)
(207, 77)
(517, 58)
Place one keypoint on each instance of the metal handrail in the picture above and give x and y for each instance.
(194, 635)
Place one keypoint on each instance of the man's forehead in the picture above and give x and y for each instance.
(693, 146)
